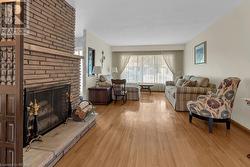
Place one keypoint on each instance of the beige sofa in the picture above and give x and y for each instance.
(178, 96)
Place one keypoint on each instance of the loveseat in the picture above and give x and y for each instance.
(178, 95)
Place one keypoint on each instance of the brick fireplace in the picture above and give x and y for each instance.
(49, 47)
(49, 60)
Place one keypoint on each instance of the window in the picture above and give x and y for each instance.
(147, 69)
(80, 53)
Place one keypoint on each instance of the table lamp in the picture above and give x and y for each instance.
(97, 70)
(114, 71)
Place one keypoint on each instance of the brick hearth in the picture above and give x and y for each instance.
(56, 143)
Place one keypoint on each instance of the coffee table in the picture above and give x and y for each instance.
(146, 87)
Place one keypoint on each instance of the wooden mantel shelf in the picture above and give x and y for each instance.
(49, 51)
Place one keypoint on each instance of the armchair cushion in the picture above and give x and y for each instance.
(212, 107)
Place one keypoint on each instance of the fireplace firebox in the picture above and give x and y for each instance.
(45, 108)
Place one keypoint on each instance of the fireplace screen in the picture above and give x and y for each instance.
(45, 109)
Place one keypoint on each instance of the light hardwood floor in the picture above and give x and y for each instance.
(150, 133)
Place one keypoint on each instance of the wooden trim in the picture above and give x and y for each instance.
(12, 151)
(8, 43)
(7, 1)
(19, 93)
(49, 51)
(238, 125)
(6, 89)
(19, 103)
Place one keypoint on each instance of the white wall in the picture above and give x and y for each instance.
(148, 48)
(228, 51)
(94, 42)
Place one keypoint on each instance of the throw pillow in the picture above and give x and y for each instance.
(189, 83)
(177, 78)
(180, 82)
(201, 81)
(102, 78)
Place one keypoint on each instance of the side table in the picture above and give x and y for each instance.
(100, 95)
(248, 103)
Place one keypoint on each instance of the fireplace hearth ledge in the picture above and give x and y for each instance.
(56, 143)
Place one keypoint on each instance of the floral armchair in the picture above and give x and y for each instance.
(216, 107)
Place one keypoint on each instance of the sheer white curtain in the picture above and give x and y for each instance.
(147, 69)
(123, 62)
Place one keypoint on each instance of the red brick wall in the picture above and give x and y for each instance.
(52, 25)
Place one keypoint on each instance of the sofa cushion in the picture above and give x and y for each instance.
(187, 77)
(180, 82)
(201, 81)
(189, 83)
(192, 90)
(177, 78)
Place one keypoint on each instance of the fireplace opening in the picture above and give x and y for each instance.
(45, 108)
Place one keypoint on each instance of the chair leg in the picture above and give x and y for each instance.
(190, 117)
(210, 125)
(228, 123)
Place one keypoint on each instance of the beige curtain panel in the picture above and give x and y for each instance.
(173, 59)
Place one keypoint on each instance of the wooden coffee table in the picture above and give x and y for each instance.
(146, 87)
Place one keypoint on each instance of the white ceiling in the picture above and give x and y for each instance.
(148, 22)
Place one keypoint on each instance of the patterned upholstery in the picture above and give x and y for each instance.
(133, 92)
(180, 96)
(219, 105)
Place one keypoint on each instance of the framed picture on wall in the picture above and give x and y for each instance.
(200, 53)
(91, 61)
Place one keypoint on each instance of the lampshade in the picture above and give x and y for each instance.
(114, 70)
(97, 70)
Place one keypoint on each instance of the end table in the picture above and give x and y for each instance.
(248, 103)
(100, 95)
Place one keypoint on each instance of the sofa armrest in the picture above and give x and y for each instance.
(192, 90)
(170, 83)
